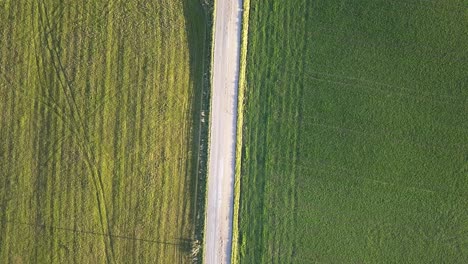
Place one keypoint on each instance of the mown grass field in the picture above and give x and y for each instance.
(99, 102)
(355, 133)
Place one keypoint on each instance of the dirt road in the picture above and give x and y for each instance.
(218, 231)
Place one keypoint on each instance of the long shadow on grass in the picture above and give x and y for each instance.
(197, 25)
(184, 244)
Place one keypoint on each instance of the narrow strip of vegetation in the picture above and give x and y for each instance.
(240, 121)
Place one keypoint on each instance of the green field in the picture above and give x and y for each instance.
(98, 130)
(355, 133)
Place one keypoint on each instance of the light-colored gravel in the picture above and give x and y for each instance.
(218, 231)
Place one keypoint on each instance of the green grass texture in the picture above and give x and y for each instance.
(98, 101)
(355, 133)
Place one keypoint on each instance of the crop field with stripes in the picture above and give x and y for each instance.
(355, 133)
(98, 101)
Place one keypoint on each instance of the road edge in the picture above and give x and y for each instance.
(210, 110)
(239, 131)
(197, 249)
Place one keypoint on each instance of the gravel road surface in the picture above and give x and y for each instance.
(218, 231)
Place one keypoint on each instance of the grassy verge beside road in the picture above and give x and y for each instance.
(240, 122)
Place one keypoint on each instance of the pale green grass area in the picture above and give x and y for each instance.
(97, 103)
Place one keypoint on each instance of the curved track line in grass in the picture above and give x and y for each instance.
(84, 146)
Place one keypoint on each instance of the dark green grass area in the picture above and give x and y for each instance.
(356, 133)
(99, 129)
